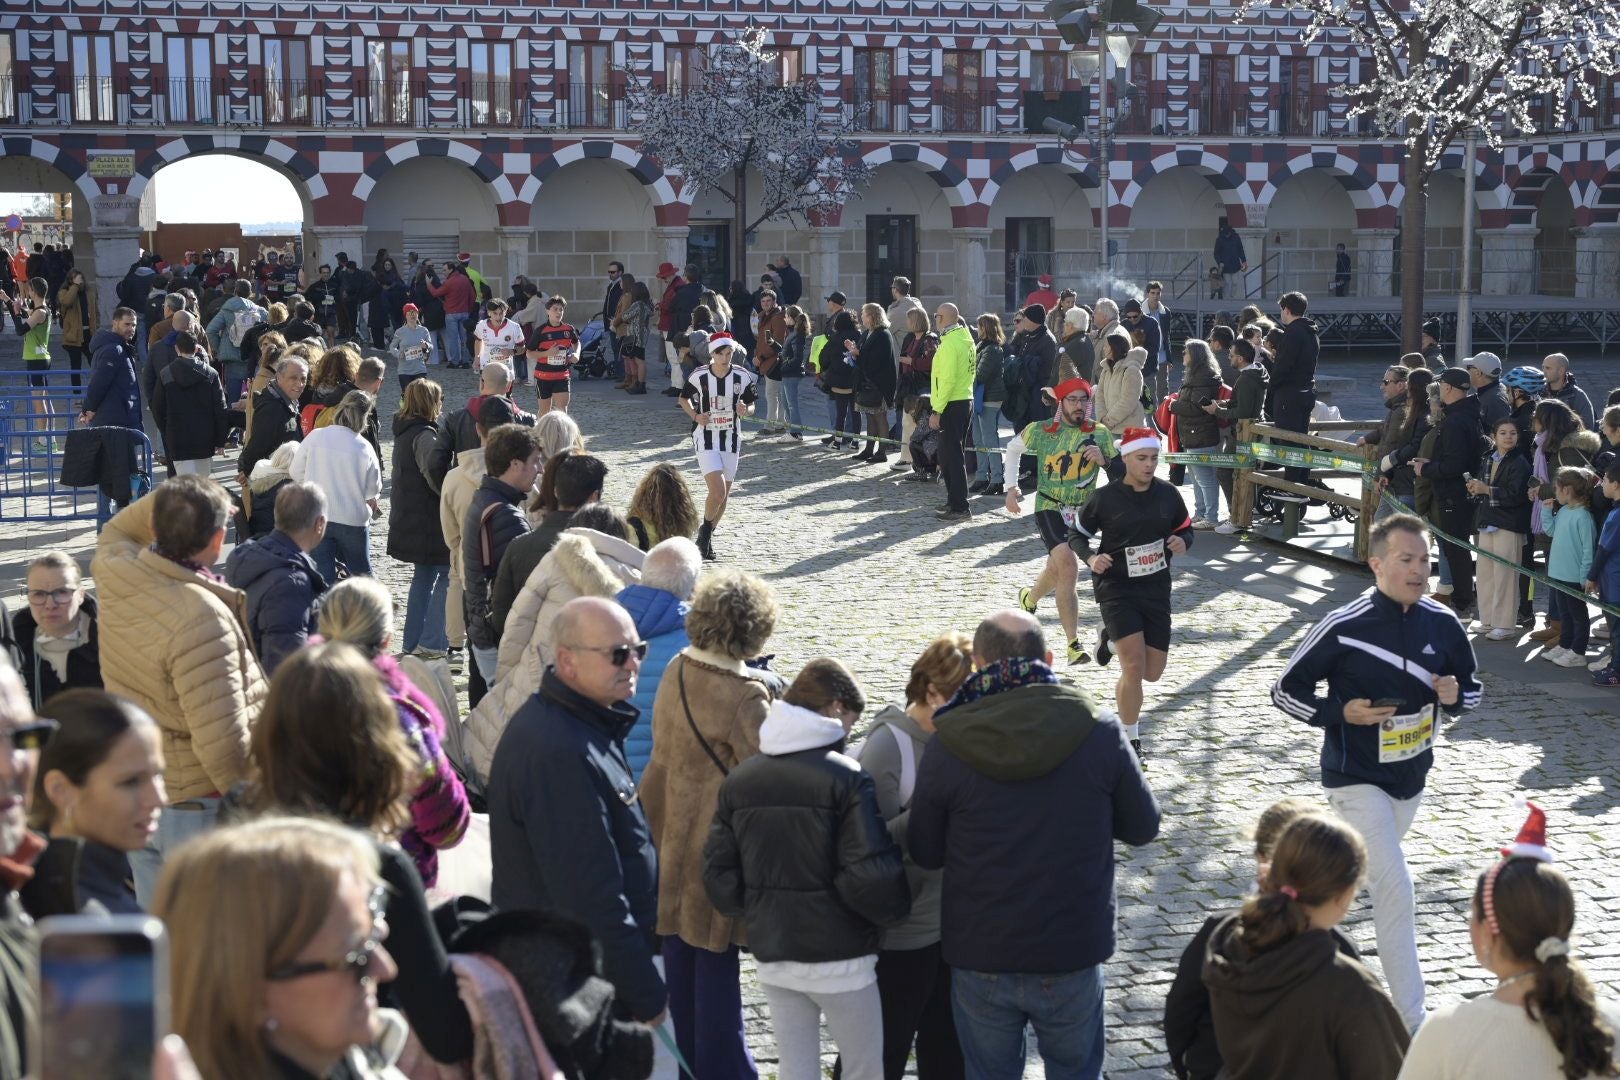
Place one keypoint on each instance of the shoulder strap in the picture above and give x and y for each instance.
(908, 764)
(680, 677)
(486, 546)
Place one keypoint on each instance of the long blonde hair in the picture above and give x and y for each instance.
(240, 902)
(360, 611)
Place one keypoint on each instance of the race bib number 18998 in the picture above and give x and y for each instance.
(1404, 737)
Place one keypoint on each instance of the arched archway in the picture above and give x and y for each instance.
(1555, 237)
(899, 225)
(1309, 214)
(1174, 218)
(55, 196)
(437, 207)
(587, 214)
(220, 200)
(1042, 222)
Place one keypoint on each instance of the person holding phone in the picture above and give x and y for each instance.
(1392, 659)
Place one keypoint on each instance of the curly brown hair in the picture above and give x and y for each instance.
(733, 613)
(943, 667)
(663, 503)
(337, 365)
(328, 742)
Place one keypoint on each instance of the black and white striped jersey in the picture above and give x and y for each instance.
(718, 396)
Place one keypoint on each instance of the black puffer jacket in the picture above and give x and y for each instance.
(481, 551)
(188, 403)
(798, 849)
(875, 367)
(1507, 507)
(1195, 428)
(421, 458)
(1294, 368)
(83, 665)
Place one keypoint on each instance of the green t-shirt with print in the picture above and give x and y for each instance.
(1063, 476)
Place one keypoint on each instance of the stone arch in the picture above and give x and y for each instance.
(480, 163)
(951, 180)
(295, 166)
(55, 157)
(1223, 176)
(661, 189)
(1603, 193)
(1537, 175)
(1352, 176)
(1084, 176)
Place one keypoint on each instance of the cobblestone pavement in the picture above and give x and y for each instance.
(866, 574)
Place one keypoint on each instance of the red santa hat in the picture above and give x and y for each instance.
(721, 340)
(1045, 280)
(1531, 843)
(1138, 438)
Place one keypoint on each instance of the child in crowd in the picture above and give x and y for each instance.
(1604, 576)
(924, 444)
(1285, 1000)
(1189, 1029)
(1568, 520)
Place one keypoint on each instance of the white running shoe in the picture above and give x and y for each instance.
(1571, 658)
(1502, 633)
(1477, 627)
(1553, 653)
(1599, 664)
(1203, 524)
(1226, 528)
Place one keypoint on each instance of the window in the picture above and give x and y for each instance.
(388, 74)
(592, 100)
(92, 78)
(490, 92)
(1295, 107)
(790, 65)
(1134, 110)
(286, 81)
(872, 92)
(191, 82)
(8, 85)
(708, 247)
(959, 102)
(1048, 71)
(1029, 255)
(1220, 100)
(684, 66)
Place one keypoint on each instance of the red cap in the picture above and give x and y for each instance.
(410, 307)
(667, 270)
(1069, 386)
(1045, 279)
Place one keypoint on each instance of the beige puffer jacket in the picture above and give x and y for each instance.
(176, 644)
(455, 499)
(1118, 392)
(584, 562)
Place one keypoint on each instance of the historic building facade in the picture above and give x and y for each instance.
(502, 129)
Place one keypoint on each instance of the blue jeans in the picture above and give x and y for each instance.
(790, 393)
(1065, 1010)
(455, 340)
(176, 824)
(424, 608)
(1206, 492)
(348, 544)
(987, 442)
(486, 659)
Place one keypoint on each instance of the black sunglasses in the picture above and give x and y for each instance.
(358, 961)
(618, 655)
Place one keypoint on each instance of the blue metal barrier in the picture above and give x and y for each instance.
(31, 444)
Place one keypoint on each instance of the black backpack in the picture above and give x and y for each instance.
(154, 307)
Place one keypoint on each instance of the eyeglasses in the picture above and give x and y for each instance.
(1391, 382)
(357, 961)
(32, 736)
(618, 655)
(38, 597)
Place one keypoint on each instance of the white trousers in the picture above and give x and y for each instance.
(1382, 822)
(194, 467)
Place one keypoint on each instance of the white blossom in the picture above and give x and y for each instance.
(736, 114)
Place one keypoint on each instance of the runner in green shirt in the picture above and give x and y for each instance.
(37, 359)
(1070, 452)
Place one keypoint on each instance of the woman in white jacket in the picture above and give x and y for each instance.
(1118, 387)
(592, 557)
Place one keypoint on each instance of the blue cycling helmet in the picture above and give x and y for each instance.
(1527, 380)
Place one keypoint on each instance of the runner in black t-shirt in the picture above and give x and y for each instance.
(1127, 533)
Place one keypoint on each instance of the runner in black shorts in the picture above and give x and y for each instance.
(1127, 533)
(1070, 454)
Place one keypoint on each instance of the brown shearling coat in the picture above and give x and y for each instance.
(681, 788)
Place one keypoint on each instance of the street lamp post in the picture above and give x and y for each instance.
(1465, 311)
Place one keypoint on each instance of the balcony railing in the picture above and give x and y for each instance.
(585, 106)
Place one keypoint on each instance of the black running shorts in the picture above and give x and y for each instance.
(1126, 613)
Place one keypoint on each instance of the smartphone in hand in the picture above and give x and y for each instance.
(103, 986)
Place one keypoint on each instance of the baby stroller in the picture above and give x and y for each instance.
(593, 352)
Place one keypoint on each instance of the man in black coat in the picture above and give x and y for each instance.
(566, 831)
(188, 403)
(1293, 373)
(687, 298)
(275, 416)
(1457, 451)
(494, 519)
(792, 281)
(1020, 796)
(1034, 350)
(275, 571)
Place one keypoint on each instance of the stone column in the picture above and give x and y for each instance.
(1508, 260)
(113, 249)
(821, 275)
(514, 241)
(331, 239)
(1597, 261)
(1254, 246)
(1375, 263)
(972, 271)
(671, 246)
